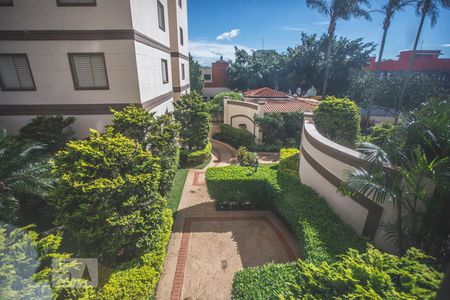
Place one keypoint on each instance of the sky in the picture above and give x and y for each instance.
(216, 26)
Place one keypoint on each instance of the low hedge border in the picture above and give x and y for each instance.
(235, 137)
(289, 160)
(192, 159)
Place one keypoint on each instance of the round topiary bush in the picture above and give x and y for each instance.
(338, 119)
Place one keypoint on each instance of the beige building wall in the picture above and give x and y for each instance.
(239, 112)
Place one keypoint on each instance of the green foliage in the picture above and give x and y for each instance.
(246, 158)
(265, 282)
(26, 266)
(194, 117)
(369, 275)
(138, 279)
(338, 120)
(281, 129)
(289, 160)
(157, 134)
(24, 174)
(217, 101)
(107, 196)
(51, 131)
(234, 187)
(196, 76)
(381, 133)
(174, 197)
(236, 137)
(198, 157)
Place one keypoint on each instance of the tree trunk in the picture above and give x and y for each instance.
(410, 62)
(331, 29)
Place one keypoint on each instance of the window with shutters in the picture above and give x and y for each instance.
(15, 73)
(76, 2)
(6, 3)
(89, 71)
(161, 18)
(181, 37)
(165, 71)
(183, 74)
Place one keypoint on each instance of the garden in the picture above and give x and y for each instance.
(109, 196)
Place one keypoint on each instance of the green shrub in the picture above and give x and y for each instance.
(236, 137)
(217, 101)
(338, 120)
(282, 129)
(107, 196)
(234, 187)
(157, 134)
(289, 160)
(246, 158)
(198, 157)
(52, 131)
(138, 279)
(266, 282)
(381, 133)
(369, 275)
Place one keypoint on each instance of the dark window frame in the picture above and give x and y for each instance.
(9, 4)
(180, 4)
(59, 3)
(181, 36)
(165, 67)
(209, 75)
(5, 89)
(161, 23)
(74, 75)
(183, 72)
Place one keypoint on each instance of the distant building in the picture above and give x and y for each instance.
(215, 78)
(425, 61)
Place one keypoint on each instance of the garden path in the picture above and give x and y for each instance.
(207, 246)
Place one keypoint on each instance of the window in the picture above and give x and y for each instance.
(180, 3)
(88, 71)
(181, 37)
(183, 75)
(15, 73)
(6, 3)
(242, 126)
(165, 72)
(207, 76)
(161, 19)
(76, 2)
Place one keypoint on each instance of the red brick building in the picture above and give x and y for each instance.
(215, 78)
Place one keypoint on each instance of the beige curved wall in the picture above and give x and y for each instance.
(323, 166)
(239, 112)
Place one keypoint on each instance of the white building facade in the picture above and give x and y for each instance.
(81, 57)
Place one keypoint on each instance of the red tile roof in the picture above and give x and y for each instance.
(265, 92)
(291, 105)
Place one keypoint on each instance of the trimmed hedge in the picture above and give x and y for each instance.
(138, 279)
(199, 157)
(235, 137)
(289, 160)
(235, 187)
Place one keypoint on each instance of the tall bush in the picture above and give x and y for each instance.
(236, 137)
(281, 129)
(194, 117)
(157, 134)
(338, 119)
(217, 101)
(107, 196)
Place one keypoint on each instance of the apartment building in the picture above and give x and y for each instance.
(215, 78)
(81, 57)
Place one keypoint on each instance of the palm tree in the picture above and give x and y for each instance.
(388, 10)
(337, 10)
(424, 8)
(22, 171)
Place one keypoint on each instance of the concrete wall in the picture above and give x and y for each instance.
(239, 112)
(323, 166)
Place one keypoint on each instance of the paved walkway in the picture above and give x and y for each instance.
(207, 246)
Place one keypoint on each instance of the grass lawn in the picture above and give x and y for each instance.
(173, 199)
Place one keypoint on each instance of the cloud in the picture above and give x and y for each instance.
(228, 35)
(321, 23)
(292, 28)
(206, 52)
(445, 45)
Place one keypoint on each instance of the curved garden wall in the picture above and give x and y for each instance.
(323, 166)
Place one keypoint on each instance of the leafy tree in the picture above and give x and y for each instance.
(338, 120)
(217, 102)
(21, 172)
(369, 275)
(337, 10)
(157, 134)
(197, 80)
(51, 131)
(424, 8)
(25, 266)
(280, 129)
(194, 117)
(107, 197)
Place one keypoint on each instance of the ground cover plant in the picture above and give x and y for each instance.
(235, 137)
